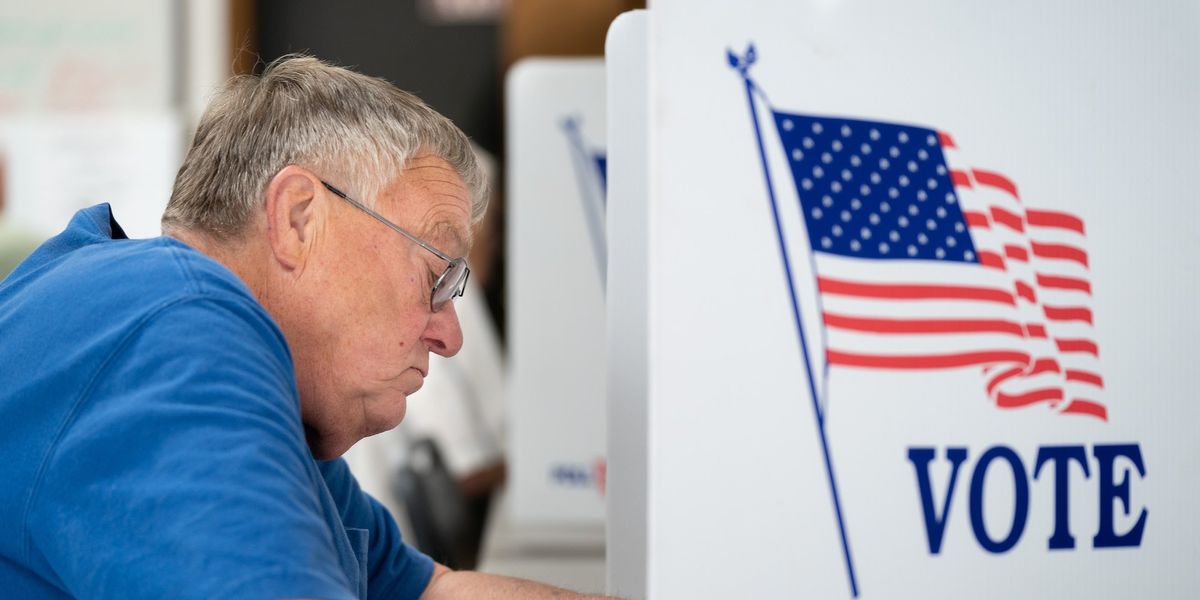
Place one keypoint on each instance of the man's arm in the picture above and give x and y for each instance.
(469, 584)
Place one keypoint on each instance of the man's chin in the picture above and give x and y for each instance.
(388, 417)
(383, 415)
(324, 448)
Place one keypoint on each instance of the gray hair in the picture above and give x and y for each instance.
(345, 126)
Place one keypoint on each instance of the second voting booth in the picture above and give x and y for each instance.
(557, 257)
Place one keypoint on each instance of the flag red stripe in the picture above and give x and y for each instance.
(903, 291)
(923, 325)
(1002, 377)
(991, 259)
(977, 219)
(996, 180)
(1060, 251)
(1083, 346)
(1014, 400)
(1042, 365)
(960, 178)
(1084, 377)
(1080, 406)
(1046, 218)
(1035, 330)
(1024, 290)
(946, 140)
(1045, 365)
(1007, 218)
(1068, 313)
(944, 361)
(1064, 283)
(1016, 253)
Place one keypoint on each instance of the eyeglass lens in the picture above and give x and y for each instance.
(450, 284)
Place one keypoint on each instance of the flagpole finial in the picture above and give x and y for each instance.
(742, 63)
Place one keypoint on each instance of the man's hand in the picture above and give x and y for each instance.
(447, 584)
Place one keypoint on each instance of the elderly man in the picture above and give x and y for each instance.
(174, 408)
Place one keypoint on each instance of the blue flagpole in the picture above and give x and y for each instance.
(742, 64)
(597, 228)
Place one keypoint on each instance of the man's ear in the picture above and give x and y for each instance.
(292, 218)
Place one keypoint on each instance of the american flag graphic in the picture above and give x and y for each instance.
(925, 262)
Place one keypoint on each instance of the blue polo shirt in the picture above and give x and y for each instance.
(151, 441)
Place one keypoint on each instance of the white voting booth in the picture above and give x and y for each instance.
(550, 524)
(557, 262)
(900, 300)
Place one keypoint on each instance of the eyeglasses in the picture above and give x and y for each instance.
(453, 280)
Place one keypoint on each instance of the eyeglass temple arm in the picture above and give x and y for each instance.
(360, 206)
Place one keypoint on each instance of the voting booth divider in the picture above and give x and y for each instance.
(899, 300)
(556, 266)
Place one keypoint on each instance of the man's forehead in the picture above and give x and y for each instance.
(445, 217)
(449, 237)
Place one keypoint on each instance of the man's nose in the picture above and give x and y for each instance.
(443, 336)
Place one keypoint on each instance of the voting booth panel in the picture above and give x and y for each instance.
(628, 222)
(918, 312)
(557, 262)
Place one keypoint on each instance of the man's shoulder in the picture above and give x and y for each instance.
(111, 344)
(89, 312)
(163, 270)
(89, 303)
(92, 263)
(150, 271)
(91, 298)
